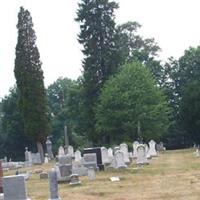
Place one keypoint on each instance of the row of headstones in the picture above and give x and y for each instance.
(117, 158)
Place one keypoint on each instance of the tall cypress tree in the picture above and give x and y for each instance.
(96, 19)
(29, 79)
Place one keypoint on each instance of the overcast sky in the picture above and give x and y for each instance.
(175, 25)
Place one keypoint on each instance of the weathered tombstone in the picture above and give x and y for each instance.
(97, 151)
(90, 160)
(116, 149)
(124, 149)
(53, 185)
(74, 180)
(36, 158)
(61, 151)
(44, 175)
(63, 160)
(141, 155)
(110, 152)
(28, 157)
(104, 154)
(65, 170)
(79, 169)
(77, 155)
(14, 188)
(70, 151)
(1, 177)
(49, 149)
(152, 148)
(46, 159)
(119, 159)
(135, 144)
(91, 173)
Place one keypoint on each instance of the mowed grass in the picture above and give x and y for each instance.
(172, 175)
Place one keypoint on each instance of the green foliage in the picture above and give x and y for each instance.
(12, 136)
(132, 46)
(189, 111)
(64, 97)
(128, 98)
(29, 79)
(96, 19)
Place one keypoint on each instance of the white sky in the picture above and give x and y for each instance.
(175, 25)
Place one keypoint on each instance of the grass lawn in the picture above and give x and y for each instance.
(172, 175)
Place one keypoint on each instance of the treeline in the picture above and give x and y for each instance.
(125, 92)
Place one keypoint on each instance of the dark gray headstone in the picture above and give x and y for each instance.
(53, 185)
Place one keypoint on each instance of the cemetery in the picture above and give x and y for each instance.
(151, 172)
(111, 117)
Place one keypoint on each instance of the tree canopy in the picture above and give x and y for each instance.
(29, 79)
(128, 98)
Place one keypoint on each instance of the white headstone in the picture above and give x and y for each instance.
(104, 154)
(141, 154)
(77, 155)
(61, 151)
(119, 160)
(124, 149)
(135, 145)
(152, 148)
(70, 151)
(91, 173)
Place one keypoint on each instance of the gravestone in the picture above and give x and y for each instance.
(79, 169)
(53, 185)
(124, 149)
(135, 144)
(14, 188)
(65, 170)
(141, 155)
(70, 151)
(44, 175)
(110, 154)
(63, 160)
(28, 158)
(116, 149)
(74, 180)
(77, 155)
(1, 177)
(61, 151)
(46, 159)
(104, 154)
(119, 160)
(90, 160)
(36, 158)
(97, 151)
(91, 173)
(49, 149)
(152, 148)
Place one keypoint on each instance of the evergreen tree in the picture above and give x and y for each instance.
(29, 79)
(98, 37)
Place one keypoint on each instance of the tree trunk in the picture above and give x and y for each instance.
(40, 150)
